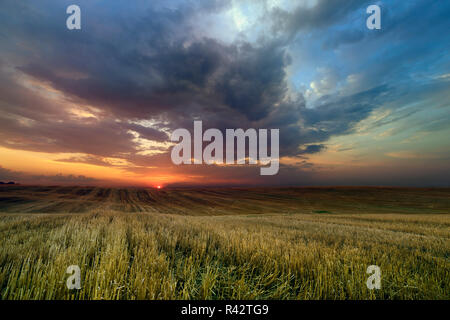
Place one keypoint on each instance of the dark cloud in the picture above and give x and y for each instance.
(105, 138)
(312, 148)
(255, 81)
(323, 14)
(339, 116)
(147, 132)
(26, 178)
(341, 37)
(88, 159)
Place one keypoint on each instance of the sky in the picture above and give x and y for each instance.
(97, 106)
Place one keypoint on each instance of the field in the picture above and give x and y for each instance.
(224, 243)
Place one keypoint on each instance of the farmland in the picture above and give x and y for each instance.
(224, 243)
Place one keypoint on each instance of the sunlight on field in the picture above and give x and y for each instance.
(156, 256)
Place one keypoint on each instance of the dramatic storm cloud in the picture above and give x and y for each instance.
(349, 101)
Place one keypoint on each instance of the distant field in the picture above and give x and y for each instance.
(224, 201)
(222, 243)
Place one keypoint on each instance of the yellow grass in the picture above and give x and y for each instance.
(294, 255)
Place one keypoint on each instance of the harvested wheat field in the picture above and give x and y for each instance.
(224, 243)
